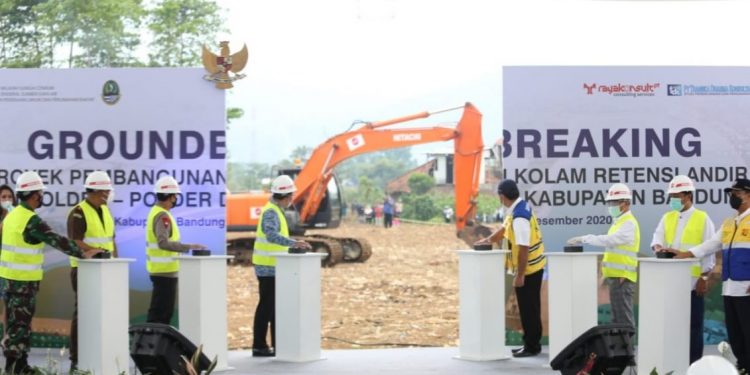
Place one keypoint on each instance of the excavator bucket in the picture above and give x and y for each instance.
(473, 233)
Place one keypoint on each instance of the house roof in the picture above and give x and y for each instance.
(400, 184)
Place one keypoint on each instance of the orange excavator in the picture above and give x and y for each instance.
(318, 203)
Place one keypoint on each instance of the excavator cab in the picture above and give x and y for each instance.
(329, 213)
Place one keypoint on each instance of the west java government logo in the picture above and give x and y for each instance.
(221, 66)
(674, 90)
(111, 92)
(622, 89)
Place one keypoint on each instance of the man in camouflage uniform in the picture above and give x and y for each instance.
(24, 235)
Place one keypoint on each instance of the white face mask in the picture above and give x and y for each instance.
(7, 205)
(111, 197)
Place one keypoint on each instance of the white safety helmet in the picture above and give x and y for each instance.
(680, 184)
(167, 185)
(283, 185)
(618, 192)
(98, 180)
(29, 181)
(712, 365)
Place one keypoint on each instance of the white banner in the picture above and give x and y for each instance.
(571, 132)
(136, 124)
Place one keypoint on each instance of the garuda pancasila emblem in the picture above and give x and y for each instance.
(220, 67)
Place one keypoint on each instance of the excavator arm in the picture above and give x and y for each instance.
(467, 136)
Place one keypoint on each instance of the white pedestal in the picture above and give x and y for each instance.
(481, 330)
(103, 315)
(298, 307)
(572, 291)
(203, 304)
(664, 315)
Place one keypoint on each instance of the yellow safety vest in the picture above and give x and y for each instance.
(97, 235)
(622, 260)
(263, 249)
(20, 260)
(692, 233)
(536, 259)
(160, 260)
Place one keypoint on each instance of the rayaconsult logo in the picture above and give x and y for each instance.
(111, 92)
(622, 89)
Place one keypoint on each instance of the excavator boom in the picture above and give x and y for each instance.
(467, 136)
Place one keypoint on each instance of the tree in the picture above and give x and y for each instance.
(19, 47)
(96, 33)
(180, 27)
(420, 183)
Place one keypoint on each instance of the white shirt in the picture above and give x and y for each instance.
(521, 227)
(707, 262)
(623, 236)
(731, 288)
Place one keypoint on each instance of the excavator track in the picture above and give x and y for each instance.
(354, 249)
(325, 246)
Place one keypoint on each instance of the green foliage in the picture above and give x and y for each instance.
(95, 33)
(233, 113)
(654, 372)
(21, 41)
(380, 167)
(179, 28)
(242, 177)
(420, 183)
(419, 207)
(105, 33)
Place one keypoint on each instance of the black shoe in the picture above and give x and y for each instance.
(264, 352)
(516, 350)
(73, 367)
(524, 352)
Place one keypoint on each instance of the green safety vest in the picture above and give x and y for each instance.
(622, 260)
(102, 237)
(160, 260)
(263, 249)
(20, 260)
(692, 233)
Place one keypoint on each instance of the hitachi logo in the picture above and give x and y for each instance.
(620, 88)
(407, 137)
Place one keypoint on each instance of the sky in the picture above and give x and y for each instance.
(317, 66)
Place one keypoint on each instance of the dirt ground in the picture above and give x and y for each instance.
(405, 294)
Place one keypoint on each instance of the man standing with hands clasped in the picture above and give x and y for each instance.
(680, 229)
(526, 262)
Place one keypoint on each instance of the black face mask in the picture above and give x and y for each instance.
(735, 202)
(41, 200)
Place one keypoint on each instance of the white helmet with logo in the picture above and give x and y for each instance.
(618, 192)
(283, 185)
(680, 184)
(167, 185)
(29, 181)
(98, 180)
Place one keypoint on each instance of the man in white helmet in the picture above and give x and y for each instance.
(680, 229)
(163, 248)
(272, 236)
(24, 235)
(621, 245)
(91, 226)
